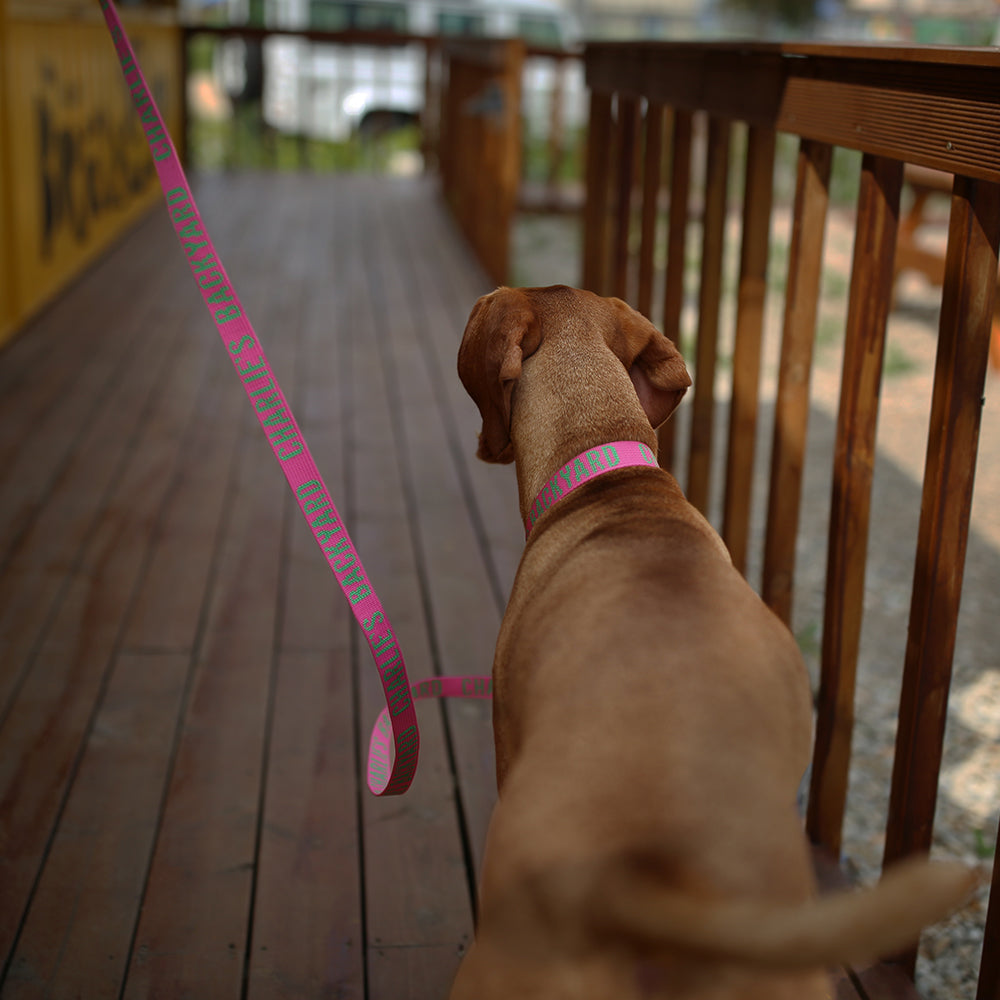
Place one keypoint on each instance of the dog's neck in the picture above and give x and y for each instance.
(561, 410)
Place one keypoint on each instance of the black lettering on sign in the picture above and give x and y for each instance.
(91, 159)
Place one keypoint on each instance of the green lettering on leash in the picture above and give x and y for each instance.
(227, 315)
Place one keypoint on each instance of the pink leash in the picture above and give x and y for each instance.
(395, 740)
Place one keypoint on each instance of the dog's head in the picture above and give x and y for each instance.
(509, 325)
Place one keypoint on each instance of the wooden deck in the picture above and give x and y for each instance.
(183, 699)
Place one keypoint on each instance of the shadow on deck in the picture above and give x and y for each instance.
(183, 700)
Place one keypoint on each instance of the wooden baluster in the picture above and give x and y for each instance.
(628, 131)
(989, 970)
(956, 407)
(557, 133)
(710, 295)
(509, 173)
(854, 464)
(673, 291)
(651, 178)
(791, 411)
(447, 147)
(595, 212)
(429, 121)
(757, 199)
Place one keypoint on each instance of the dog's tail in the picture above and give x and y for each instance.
(841, 928)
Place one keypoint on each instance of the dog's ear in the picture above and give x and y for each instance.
(654, 364)
(502, 331)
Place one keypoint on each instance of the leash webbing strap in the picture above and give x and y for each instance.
(395, 741)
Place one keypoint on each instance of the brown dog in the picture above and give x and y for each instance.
(652, 717)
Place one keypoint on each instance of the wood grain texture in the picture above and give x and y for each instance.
(854, 464)
(180, 793)
(626, 140)
(743, 407)
(791, 408)
(598, 178)
(935, 107)
(989, 970)
(673, 279)
(652, 174)
(959, 378)
(709, 298)
(481, 143)
(417, 896)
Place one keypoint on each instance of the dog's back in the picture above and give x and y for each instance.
(652, 717)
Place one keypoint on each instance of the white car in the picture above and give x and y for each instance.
(334, 91)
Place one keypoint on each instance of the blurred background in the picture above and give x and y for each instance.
(360, 107)
(345, 85)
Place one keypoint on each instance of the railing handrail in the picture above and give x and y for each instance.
(983, 55)
(934, 106)
(357, 36)
(346, 36)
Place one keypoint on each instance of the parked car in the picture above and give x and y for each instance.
(334, 91)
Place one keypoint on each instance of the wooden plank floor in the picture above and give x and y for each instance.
(183, 699)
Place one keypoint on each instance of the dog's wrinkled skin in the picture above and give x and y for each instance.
(652, 717)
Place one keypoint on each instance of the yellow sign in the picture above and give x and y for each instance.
(78, 169)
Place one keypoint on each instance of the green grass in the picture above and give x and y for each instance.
(845, 172)
(829, 330)
(897, 361)
(246, 142)
(201, 52)
(809, 640)
(535, 156)
(984, 848)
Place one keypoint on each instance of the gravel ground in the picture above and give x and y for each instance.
(546, 251)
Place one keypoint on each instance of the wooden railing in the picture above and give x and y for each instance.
(480, 143)
(936, 108)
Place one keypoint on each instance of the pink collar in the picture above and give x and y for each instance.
(586, 466)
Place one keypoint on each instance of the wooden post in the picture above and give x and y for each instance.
(9, 306)
(651, 183)
(791, 409)
(481, 158)
(713, 242)
(557, 132)
(989, 970)
(854, 465)
(956, 408)
(757, 200)
(673, 290)
(627, 135)
(595, 210)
